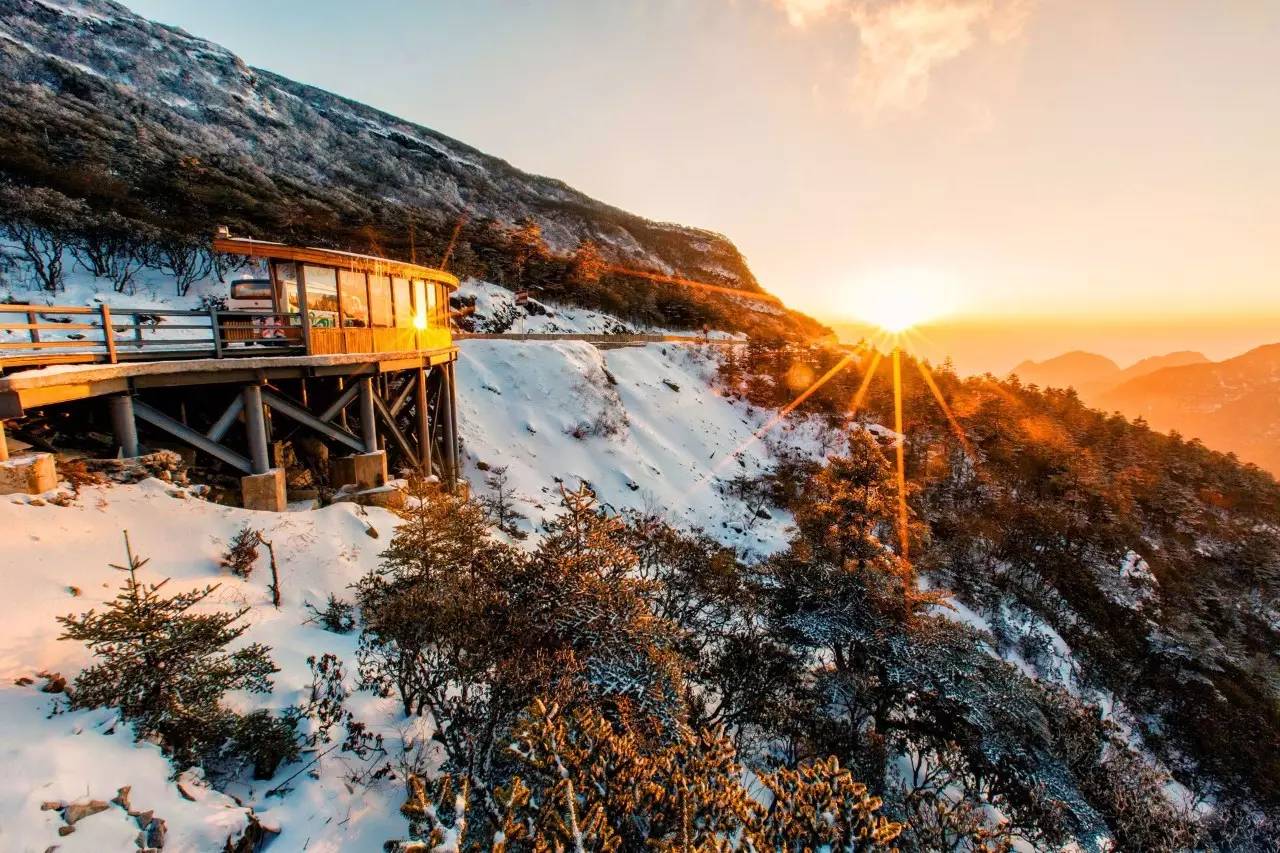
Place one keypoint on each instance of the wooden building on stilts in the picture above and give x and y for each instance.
(351, 354)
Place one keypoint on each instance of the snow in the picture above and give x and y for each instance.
(548, 409)
(73, 757)
(496, 311)
(522, 404)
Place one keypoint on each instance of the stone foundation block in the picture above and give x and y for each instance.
(30, 473)
(366, 470)
(264, 491)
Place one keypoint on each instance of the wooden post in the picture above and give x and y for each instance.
(4, 445)
(368, 426)
(303, 308)
(342, 413)
(424, 423)
(108, 333)
(256, 426)
(33, 319)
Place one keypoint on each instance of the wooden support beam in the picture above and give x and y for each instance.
(180, 431)
(423, 404)
(389, 421)
(344, 399)
(403, 396)
(450, 428)
(228, 417)
(291, 410)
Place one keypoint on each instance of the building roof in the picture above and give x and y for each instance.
(331, 258)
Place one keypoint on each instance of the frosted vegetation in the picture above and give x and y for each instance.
(632, 630)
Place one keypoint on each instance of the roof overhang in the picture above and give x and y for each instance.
(330, 258)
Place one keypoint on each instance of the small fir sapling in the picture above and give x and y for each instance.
(165, 666)
(337, 616)
(242, 552)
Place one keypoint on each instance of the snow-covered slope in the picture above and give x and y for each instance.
(492, 308)
(58, 563)
(643, 425)
(654, 436)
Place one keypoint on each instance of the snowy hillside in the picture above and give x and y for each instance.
(641, 425)
(81, 757)
(645, 427)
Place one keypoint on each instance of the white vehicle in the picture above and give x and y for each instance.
(254, 295)
(251, 294)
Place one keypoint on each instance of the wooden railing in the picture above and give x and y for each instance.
(41, 335)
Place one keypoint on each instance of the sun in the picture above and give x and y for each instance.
(898, 300)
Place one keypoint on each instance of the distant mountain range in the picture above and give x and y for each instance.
(1231, 405)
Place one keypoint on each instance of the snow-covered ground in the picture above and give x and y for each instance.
(495, 310)
(644, 426)
(656, 436)
(57, 562)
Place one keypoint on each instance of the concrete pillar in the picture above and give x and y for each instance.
(256, 426)
(424, 423)
(449, 421)
(368, 424)
(123, 424)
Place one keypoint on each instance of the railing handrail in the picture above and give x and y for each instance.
(15, 308)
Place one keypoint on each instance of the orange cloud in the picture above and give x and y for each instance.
(901, 43)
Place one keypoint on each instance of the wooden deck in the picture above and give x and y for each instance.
(30, 389)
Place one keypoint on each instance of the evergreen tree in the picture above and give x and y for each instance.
(165, 667)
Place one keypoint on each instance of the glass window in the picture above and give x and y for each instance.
(252, 288)
(440, 299)
(402, 298)
(380, 300)
(354, 298)
(287, 281)
(322, 295)
(420, 303)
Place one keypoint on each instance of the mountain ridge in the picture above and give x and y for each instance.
(172, 131)
(1232, 405)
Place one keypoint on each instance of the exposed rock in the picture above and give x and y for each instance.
(121, 798)
(163, 465)
(79, 811)
(54, 682)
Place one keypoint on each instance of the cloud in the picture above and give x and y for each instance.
(902, 43)
(801, 12)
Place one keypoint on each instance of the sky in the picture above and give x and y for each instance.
(1097, 174)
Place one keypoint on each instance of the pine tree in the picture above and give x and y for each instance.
(242, 552)
(165, 667)
(588, 263)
